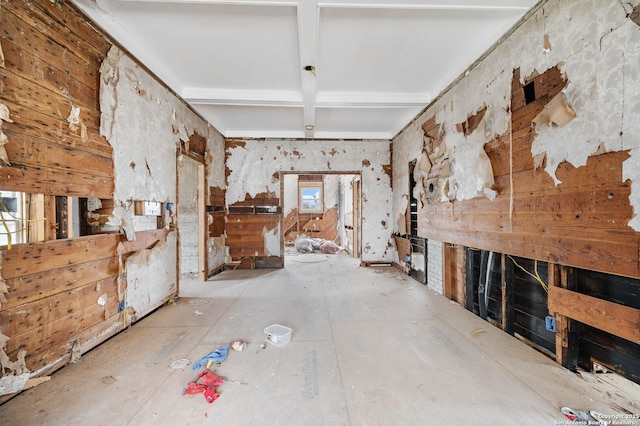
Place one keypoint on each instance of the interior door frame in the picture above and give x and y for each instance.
(303, 172)
(201, 207)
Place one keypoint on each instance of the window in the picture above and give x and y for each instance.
(310, 197)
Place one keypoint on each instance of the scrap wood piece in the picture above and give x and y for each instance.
(35, 381)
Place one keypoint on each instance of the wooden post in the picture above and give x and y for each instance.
(447, 273)
(508, 299)
(203, 228)
(566, 328)
(468, 267)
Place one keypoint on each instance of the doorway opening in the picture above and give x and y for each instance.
(321, 213)
(191, 220)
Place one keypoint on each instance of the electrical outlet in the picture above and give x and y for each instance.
(152, 208)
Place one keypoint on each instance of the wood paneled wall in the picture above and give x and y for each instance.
(53, 302)
(63, 296)
(52, 61)
(582, 222)
(245, 222)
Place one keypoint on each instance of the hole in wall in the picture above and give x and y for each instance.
(529, 93)
(431, 187)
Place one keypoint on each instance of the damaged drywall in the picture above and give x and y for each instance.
(128, 94)
(596, 45)
(122, 219)
(145, 124)
(248, 174)
(271, 241)
(151, 276)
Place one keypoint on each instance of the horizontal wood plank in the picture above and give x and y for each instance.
(26, 259)
(619, 320)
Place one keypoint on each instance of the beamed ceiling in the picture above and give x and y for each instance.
(357, 69)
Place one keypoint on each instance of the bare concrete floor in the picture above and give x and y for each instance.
(370, 346)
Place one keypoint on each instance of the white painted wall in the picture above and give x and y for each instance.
(252, 167)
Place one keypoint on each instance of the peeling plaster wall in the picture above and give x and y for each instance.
(595, 44)
(157, 265)
(144, 123)
(245, 177)
(217, 251)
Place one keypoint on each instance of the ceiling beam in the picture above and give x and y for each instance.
(205, 96)
(371, 100)
(418, 5)
(308, 42)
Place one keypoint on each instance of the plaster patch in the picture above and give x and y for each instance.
(75, 122)
(271, 241)
(13, 384)
(150, 276)
(14, 367)
(631, 171)
(4, 116)
(122, 219)
(102, 300)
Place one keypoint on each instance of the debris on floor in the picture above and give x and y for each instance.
(207, 384)
(589, 417)
(197, 313)
(218, 355)
(477, 331)
(108, 380)
(303, 244)
(239, 345)
(277, 334)
(180, 363)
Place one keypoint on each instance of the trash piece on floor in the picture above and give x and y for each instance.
(209, 363)
(304, 244)
(180, 363)
(329, 247)
(239, 345)
(263, 346)
(581, 416)
(476, 331)
(198, 313)
(215, 356)
(277, 334)
(206, 384)
(108, 380)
